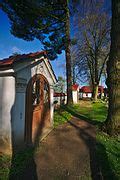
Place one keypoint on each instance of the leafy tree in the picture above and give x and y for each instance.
(48, 21)
(113, 72)
(60, 86)
(79, 67)
(93, 45)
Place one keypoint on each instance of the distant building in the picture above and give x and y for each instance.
(86, 92)
(60, 99)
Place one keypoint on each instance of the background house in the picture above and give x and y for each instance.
(26, 94)
(86, 92)
(60, 99)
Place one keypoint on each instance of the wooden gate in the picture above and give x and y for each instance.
(37, 107)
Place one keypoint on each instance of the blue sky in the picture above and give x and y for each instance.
(10, 44)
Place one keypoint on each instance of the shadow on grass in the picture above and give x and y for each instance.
(23, 165)
(83, 117)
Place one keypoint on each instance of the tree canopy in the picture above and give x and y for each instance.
(43, 20)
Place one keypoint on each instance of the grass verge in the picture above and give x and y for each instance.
(5, 162)
(108, 154)
(94, 113)
(14, 167)
(61, 116)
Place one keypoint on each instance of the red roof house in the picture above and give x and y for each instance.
(88, 89)
(75, 87)
(19, 58)
(26, 85)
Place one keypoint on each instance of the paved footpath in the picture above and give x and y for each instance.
(67, 153)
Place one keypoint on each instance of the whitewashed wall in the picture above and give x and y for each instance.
(89, 95)
(26, 74)
(75, 97)
(7, 98)
(12, 106)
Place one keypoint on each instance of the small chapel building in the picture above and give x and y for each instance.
(26, 100)
(75, 93)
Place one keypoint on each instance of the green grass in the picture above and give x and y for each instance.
(15, 166)
(93, 112)
(61, 116)
(20, 162)
(107, 148)
(89, 111)
(108, 154)
(5, 161)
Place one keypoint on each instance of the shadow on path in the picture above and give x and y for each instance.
(99, 170)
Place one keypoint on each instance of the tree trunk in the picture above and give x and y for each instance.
(68, 57)
(95, 92)
(113, 71)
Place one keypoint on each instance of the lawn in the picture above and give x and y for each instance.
(4, 166)
(107, 148)
(85, 110)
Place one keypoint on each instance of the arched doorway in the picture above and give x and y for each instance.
(37, 107)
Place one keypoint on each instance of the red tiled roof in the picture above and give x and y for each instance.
(75, 87)
(59, 94)
(8, 62)
(14, 59)
(88, 89)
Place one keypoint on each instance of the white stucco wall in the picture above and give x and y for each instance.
(18, 119)
(89, 95)
(75, 97)
(12, 96)
(7, 97)
(51, 104)
(26, 74)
